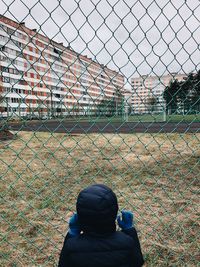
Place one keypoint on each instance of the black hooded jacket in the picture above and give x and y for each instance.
(100, 245)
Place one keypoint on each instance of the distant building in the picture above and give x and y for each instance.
(147, 92)
(41, 77)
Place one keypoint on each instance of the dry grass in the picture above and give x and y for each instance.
(156, 176)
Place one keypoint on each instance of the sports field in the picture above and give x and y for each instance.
(154, 175)
(141, 118)
(161, 117)
(148, 118)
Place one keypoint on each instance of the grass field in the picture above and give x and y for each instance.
(156, 176)
(184, 118)
(161, 118)
(122, 118)
(141, 118)
(147, 118)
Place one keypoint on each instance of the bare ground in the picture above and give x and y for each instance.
(5, 135)
(154, 175)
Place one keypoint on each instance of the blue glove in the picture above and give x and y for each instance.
(126, 222)
(74, 227)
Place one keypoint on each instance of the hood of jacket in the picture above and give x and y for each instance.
(97, 209)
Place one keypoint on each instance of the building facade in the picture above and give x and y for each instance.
(147, 92)
(41, 77)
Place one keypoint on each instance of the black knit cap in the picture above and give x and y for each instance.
(97, 209)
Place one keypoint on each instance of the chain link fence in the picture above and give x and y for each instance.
(99, 92)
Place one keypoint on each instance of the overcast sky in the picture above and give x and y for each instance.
(134, 37)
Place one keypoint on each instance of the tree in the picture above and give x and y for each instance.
(119, 101)
(195, 98)
(111, 106)
(150, 103)
(107, 107)
(170, 96)
(189, 95)
(183, 95)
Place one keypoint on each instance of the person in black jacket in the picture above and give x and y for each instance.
(92, 240)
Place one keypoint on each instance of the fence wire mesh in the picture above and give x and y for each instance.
(99, 92)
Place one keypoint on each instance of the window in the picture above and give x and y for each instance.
(3, 38)
(57, 51)
(3, 48)
(10, 31)
(57, 95)
(18, 91)
(15, 100)
(102, 90)
(4, 69)
(5, 79)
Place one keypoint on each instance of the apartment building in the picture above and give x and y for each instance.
(41, 77)
(147, 92)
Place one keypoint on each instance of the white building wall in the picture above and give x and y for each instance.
(66, 79)
(151, 86)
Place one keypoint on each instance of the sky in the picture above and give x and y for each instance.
(134, 37)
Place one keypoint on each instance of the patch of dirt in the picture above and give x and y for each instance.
(6, 135)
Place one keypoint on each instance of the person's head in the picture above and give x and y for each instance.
(97, 209)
